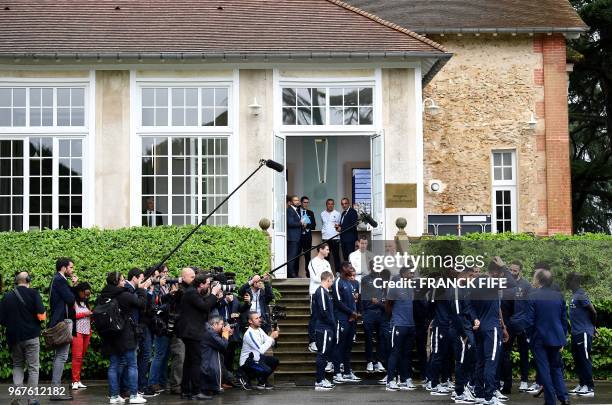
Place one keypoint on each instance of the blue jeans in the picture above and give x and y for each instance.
(144, 354)
(119, 362)
(159, 365)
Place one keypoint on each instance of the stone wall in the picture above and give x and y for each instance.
(486, 92)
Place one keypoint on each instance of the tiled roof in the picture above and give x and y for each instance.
(200, 26)
(434, 16)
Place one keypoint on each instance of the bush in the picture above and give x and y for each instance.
(96, 252)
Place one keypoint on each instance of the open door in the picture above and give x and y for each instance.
(280, 208)
(377, 165)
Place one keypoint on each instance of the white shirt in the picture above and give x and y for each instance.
(255, 341)
(360, 262)
(328, 220)
(316, 267)
(255, 301)
(151, 218)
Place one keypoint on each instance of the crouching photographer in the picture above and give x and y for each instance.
(258, 294)
(194, 309)
(214, 344)
(253, 361)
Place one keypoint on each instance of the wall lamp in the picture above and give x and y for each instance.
(430, 106)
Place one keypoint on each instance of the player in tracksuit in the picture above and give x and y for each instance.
(583, 318)
(442, 337)
(345, 312)
(399, 306)
(547, 320)
(422, 319)
(373, 306)
(324, 324)
(464, 343)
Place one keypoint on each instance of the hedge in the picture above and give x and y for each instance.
(96, 252)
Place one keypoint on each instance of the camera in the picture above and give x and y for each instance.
(226, 279)
(277, 313)
(169, 281)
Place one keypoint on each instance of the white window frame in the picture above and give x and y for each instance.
(504, 185)
(138, 131)
(86, 133)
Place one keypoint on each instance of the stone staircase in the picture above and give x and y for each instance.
(296, 362)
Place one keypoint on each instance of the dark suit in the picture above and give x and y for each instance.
(348, 218)
(265, 298)
(159, 220)
(294, 233)
(547, 322)
(306, 238)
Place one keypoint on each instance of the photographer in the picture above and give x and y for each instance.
(231, 310)
(194, 310)
(253, 361)
(215, 342)
(121, 345)
(258, 294)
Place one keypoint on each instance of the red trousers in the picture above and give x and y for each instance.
(80, 343)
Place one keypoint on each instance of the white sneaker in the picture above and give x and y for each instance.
(424, 383)
(535, 387)
(439, 390)
(339, 379)
(137, 399)
(392, 386)
(312, 347)
(468, 393)
(428, 386)
(500, 396)
(351, 377)
(480, 400)
(383, 380)
(117, 400)
(449, 384)
(379, 368)
(324, 386)
(81, 385)
(493, 401)
(75, 385)
(370, 367)
(407, 385)
(586, 392)
(524, 386)
(342, 367)
(463, 399)
(453, 395)
(329, 368)
(575, 390)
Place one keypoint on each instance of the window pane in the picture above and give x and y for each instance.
(47, 97)
(208, 116)
(497, 159)
(78, 98)
(221, 97)
(148, 97)
(191, 117)
(221, 118)
(304, 97)
(506, 197)
(63, 97)
(178, 97)
(161, 185)
(498, 197)
(77, 167)
(178, 117)
(35, 98)
(64, 185)
(351, 116)
(148, 117)
(19, 97)
(161, 146)
(365, 116)
(19, 117)
(6, 97)
(289, 116)
(76, 185)
(47, 117)
(161, 117)
(208, 97)
(78, 117)
(5, 117)
(76, 145)
(318, 116)
(35, 114)
(335, 97)
(497, 173)
(46, 205)
(147, 185)
(191, 97)
(507, 173)
(289, 97)
(507, 159)
(161, 97)
(365, 96)
(350, 96)
(336, 116)
(318, 97)
(76, 204)
(304, 116)
(63, 117)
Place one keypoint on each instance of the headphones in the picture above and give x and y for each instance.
(28, 278)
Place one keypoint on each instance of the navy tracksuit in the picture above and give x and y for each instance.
(582, 336)
(374, 320)
(443, 334)
(344, 306)
(464, 343)
(402, 333)
(486, 305)
(422, 319)
(547, 318)
(322, 307)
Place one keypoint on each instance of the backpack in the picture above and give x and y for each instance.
(107, 317)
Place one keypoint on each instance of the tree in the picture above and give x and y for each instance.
(590, 114)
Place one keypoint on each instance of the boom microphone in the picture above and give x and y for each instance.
(365, 217)
(275, 165)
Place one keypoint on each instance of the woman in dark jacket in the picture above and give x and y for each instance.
(121, 347)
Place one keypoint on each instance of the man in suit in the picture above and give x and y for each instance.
(308, 224)
(150, 216)
(348, 218)
(294, 233)
(258, 294)
(547, 320)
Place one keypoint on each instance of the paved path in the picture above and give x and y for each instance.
(291, 395)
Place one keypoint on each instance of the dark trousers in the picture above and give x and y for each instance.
(440, 350)
(230, 354)
(311, 325)
(191, 367)
(372, 328)
(145, 345)
(334, 249)
(345, 331)
(348, 247)
(305, 245)
(581, 352)
(400, 359)
(523, 346)
(293, 249)
(421, 349)
(464, 362)
(488, 347)
(550, 368)
(261, 369)
(325, 346)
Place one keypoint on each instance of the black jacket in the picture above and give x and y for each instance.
(126, 339)
(266, 296)
(307, 230)
(193, 314)
(349, 218)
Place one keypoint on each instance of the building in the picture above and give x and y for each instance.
(177, 102)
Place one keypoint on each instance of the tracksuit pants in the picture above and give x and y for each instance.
(400, 359)
(371, 328)
(441, 341)
(550, 368)
(421, 349)
(523, 347)
(326, 342)
(488, 348)
(345, 331)
(581, 352)
(464, 361)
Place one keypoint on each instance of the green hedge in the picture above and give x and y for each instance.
(96, 252)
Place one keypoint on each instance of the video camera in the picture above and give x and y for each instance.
(277, 313)
(226, 279)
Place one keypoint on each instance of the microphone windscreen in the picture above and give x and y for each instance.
(367, 218)
(275, 165)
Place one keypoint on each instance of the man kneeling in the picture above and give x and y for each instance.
(253, 361)
(215, 343)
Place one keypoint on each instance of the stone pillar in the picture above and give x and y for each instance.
(264, 224)
(402, 241)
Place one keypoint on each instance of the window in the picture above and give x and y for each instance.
(184, 107)
(46, 107)
(504, 191)
(183, 179)
(323, 106)
(30, 170)
(362, 188)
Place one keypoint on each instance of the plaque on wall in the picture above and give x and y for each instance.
(403, 195)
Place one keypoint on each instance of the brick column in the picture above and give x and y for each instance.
(558, 175)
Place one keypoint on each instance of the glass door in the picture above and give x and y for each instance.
(280, 208)
(377, 162)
